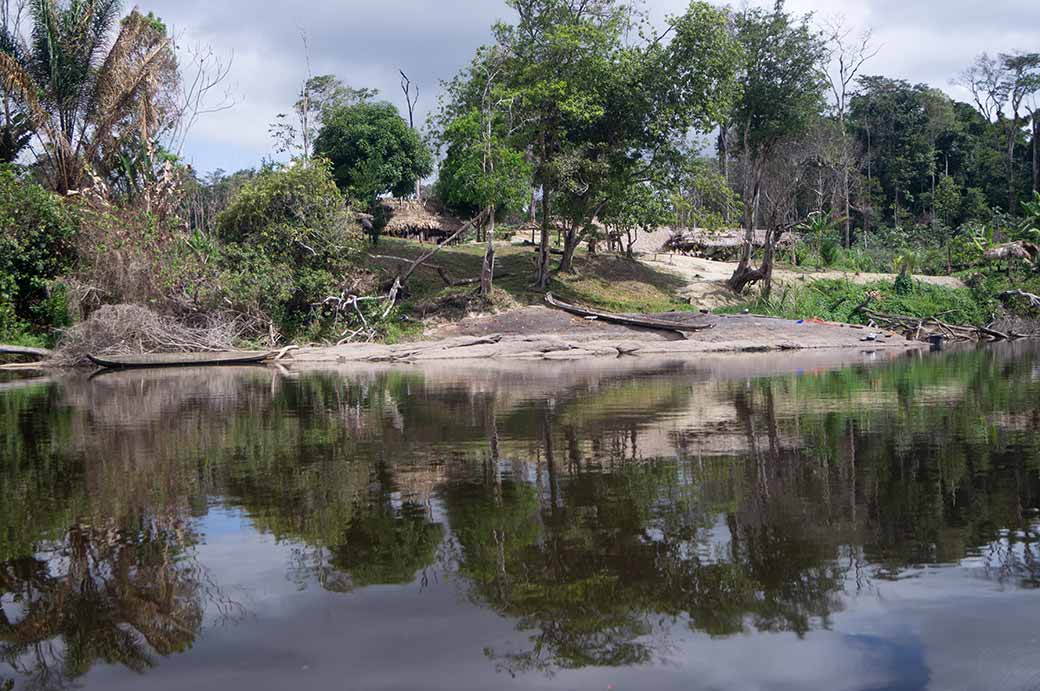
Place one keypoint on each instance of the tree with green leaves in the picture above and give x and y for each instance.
(783, 86)
(601, 113)
(947, 205)
(482, 170)
(372, 149)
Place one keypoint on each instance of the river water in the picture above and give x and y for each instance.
(606, 525)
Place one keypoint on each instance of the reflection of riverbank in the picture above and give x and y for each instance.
(612, 514)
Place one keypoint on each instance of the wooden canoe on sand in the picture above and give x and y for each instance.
(179, 359)
(679, 327)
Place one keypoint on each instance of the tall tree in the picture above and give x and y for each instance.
(783, 86)
(602, 113)
(1023, 80)
(848, 55)
(372, 149)
(85, 94)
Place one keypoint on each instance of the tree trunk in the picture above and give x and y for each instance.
(751, 193)
(1036, 151)
(1012, 195)
(571, 240)
(543, 246)
(487, 273)
(724, 163)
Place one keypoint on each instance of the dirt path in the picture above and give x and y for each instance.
(706, 278)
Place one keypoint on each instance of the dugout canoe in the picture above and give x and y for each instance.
(151, 360)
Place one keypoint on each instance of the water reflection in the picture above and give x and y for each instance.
(602, 512)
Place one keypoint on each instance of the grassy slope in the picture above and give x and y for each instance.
(608, 282)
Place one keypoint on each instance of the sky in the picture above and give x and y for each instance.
(365, 43)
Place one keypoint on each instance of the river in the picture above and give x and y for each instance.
(761, 522)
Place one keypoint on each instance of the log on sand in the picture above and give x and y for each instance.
(627, 320)
(20, 350)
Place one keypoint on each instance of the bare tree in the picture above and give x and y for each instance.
(1023, 81)
(411, 97)
(849, 53)
(203, 92)
(986, 80)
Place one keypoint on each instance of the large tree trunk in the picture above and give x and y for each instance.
(487, 273)
(752, 188)
(571, 240)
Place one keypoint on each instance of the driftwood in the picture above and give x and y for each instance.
(627, 320)
(1034, 300)
(20, 350)
(924, 328)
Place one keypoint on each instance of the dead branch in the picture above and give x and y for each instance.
(477, 220)
(1034, 300)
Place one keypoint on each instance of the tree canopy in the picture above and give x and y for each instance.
(372, 149)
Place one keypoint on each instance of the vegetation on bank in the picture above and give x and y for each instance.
(582, 133)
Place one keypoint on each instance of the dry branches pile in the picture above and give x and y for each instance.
(924, 328)
(126, 329)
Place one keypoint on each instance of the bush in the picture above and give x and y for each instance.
(37, 235)
(830, 252)
(290, 241)
(836, 300)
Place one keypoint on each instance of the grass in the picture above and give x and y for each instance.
(605, 281)
(835, 300)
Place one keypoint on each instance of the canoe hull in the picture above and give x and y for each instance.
(156, 360)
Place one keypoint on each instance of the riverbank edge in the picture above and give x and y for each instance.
(731, 335)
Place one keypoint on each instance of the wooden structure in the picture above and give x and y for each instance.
(421, 220)
(722, 245)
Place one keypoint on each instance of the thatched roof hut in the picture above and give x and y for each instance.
(721, 244)
(423, 219)
(1027, 251)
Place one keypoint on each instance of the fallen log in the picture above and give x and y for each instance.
(21, 350)
(626, 320)
(1034, 300)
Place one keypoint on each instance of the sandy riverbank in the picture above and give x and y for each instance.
(539, 333)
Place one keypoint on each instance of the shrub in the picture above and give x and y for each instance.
(830, 251)
(37, 235)
(290, 241)
(836, 300)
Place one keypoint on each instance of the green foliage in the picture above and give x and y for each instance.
(290, 242)
(37, 235)
(603, 114)
(835, 300)
(947, 201)
(475, 174)
(781, 75)
(373, 150)
(705, 198)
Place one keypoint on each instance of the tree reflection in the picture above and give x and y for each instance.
(103, 594)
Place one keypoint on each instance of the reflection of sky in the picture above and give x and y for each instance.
(944, 628)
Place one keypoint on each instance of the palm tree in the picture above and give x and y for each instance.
(81, 100)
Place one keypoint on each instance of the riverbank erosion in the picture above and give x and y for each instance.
(540, 333)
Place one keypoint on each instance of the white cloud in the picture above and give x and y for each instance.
(365, 42)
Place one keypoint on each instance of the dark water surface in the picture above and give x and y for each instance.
(610, 525)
